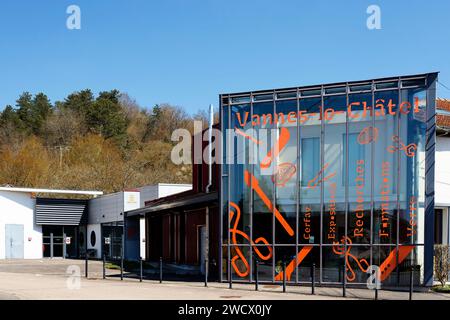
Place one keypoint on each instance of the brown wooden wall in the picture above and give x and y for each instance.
(175, 236)
(194, 219)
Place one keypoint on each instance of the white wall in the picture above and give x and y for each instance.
(165, 190)
(98, 238)
(442, 182)
(442, 171)
(152, 192)
(18, 208)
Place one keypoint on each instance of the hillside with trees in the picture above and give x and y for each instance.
(106, 142)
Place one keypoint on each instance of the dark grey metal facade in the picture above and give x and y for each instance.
(61, 212)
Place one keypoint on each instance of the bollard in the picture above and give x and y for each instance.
(160, 270)
(256, 274)
(206, 272)
(121, 267)
(376, 293)
(86, 265)
(344, 280)
(284, 276)
(411, 278)
(104, 266)
(140, 270)
(230, 282)
(313, 278)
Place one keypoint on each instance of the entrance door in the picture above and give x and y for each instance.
(70, 238)
(53, 241)
(112, 249)
(14, 241)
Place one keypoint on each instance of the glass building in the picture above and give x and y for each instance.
(337, 175)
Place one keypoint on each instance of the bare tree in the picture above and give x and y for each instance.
(203, 115)
(441, 263)
(137, 119)
(63, 126)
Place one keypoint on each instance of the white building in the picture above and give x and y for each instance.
(105, 224)
(21, 228)
(442, 173)
(33, 227)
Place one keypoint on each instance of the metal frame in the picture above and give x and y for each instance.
(429, 179)
(297, 93)
(350, 84)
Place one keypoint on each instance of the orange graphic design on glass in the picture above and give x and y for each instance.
(247, 136)
(340, 249)
(239, 255)
(294, 263)
(275, 151)
(390, 263)
(253, 183)
(368, 135)
(409, 150)
(314, 182)
(284, 173)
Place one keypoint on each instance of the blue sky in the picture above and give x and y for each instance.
(186, 52)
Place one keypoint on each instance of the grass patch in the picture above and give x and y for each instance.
(442, 289)
(112, 266)
(127, 265)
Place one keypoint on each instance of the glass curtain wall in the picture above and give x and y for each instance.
(331, 175)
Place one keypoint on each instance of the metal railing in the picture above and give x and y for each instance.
(138, 269)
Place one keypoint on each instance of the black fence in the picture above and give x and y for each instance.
(144, 270)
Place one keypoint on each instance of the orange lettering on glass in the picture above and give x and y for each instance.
(234, 231)
(294, 263)
(368, 135)
(314, 182)
(390, 263)
(253, 183)
(409, 150)
(246, 136)
(284, 173)
(345, 250)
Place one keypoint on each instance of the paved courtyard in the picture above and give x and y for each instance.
(54, 279)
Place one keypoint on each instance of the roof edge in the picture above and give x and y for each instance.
(58, 191)
(329, 84)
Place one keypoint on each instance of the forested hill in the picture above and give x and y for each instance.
(106, 142)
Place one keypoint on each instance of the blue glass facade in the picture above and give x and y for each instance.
(339, 175)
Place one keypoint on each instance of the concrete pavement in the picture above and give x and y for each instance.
(51, 279)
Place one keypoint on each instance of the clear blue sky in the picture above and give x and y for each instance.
(186, 52)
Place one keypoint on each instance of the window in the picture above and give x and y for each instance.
(356, 152)
(93, 239)
(310, 159)
(438, 226)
